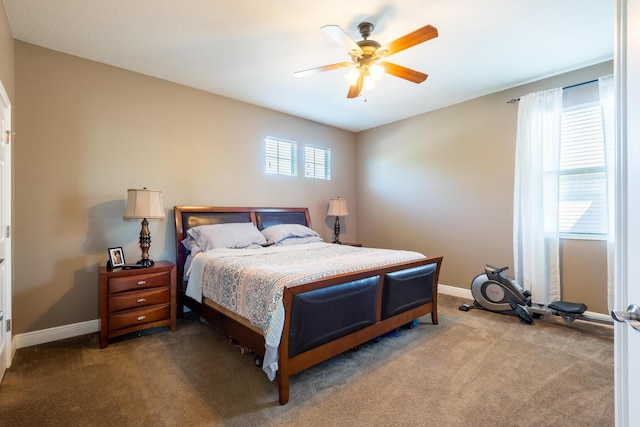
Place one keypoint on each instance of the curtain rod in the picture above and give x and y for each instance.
(516, 100)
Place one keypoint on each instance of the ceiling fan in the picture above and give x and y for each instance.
(366, 53)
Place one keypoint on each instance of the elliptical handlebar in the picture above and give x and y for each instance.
(495, 270)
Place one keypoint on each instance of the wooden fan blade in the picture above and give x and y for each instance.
(403, 72)
(316, 70)
(418, 36)
(343, 39)
(354, 90)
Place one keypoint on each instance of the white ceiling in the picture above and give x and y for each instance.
(249, 49)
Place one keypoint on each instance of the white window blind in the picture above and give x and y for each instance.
(317, 162)
(583, 200)
(280, 156)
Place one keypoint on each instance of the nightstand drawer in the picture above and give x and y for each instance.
(128, 300)
(142, 281)
(139, 317)
(136, 299)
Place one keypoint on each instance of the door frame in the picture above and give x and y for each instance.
(627, 272)
(5, 268)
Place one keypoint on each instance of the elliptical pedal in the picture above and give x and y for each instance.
(465, 307)
(521, 312)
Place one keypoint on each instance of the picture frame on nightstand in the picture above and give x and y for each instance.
(116, 257)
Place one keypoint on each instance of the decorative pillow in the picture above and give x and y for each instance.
(276, 233)
(231, 235)
(299, 240)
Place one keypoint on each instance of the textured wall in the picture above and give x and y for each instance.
(86, 132)
(442, 183)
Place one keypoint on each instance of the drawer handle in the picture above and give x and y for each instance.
(142, 299)
(142, 317)
(142, 282)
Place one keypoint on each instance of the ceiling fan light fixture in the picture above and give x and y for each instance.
(376, 71)
(352, 76)
(371, 74)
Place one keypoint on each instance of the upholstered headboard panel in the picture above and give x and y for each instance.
(266, 219)
(205, 218)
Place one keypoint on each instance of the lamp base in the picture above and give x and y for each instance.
(336, 231)
(145, 243)
(145, 263)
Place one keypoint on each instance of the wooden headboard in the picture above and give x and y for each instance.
(193, 216)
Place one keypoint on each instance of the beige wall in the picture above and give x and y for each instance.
(442, 183)
(86, 132)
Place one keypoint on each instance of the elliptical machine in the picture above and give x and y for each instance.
(498, 292)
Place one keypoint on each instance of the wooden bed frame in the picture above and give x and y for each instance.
(403, 293)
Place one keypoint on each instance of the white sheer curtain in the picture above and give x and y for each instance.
(536, 238)
(607, 90)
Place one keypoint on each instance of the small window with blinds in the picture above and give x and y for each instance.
(317, 162)
(583, 199)
(280, 156)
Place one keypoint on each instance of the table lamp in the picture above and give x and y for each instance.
(337, 208)
(145, 204)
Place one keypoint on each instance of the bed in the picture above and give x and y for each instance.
(321, 314)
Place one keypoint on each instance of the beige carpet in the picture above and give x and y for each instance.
(474, 369)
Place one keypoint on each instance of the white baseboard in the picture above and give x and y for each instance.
(454, 291)
(54, 334)
(43, 336)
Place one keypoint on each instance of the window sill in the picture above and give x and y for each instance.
(582, 237)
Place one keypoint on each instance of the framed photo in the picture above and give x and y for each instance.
(116, 257)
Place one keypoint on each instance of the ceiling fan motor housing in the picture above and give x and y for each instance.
(365, 28)
(369, 47)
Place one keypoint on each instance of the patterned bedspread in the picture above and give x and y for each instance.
(250, 282)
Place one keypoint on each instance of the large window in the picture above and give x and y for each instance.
(562, 186)
(280, 156)
(317, 162)
(582, 181)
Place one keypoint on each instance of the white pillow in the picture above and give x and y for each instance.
(191, 244)
(299, 240)
(276, 233)
(231, 235)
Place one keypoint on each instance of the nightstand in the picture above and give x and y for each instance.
(131, 300)
(352, 244)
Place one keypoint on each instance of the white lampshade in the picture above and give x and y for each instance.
(144, 203)
(338, 207)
